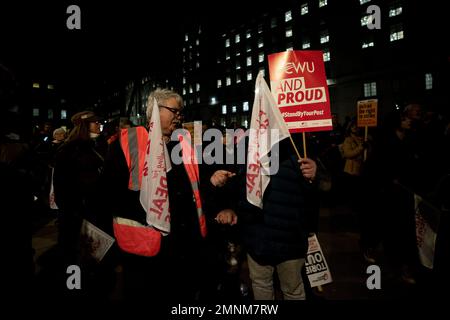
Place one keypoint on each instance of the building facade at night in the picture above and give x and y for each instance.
(396, 64)
(217, 59)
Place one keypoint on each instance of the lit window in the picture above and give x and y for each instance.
(428, 81)
(186, 37)
(63, 114)
(249, 48)
(304, 9)
(36, 85)
(326, 55)
(261, 57)
(197, 87)
(306, 44)
(365, 20)
(219, 83)
(367, 44)
(322, 3)
(395, 10)
(248, 35)
(238, 65)
(249, 75)
(288, 16)
(50, 113)
(363, 1)
(263, 71)
(249, 61)
(184, 49)
(245, 106)
(35, 112)
(228, 81)
(260, 43)
(50, 87)
(370, 89)
(197, 42)
(190, 89)
(324, 36)
(288, 32)
(227, 56)
(218, 60)
(197, 64)
(198, 99)
(273, 23)
(184, 91)
(260, 28)
(396, 32)
(184, 80)
(233, 109)
(237, 39)
(227, 43)
(224, 109)
(213, 100)
(238, 78)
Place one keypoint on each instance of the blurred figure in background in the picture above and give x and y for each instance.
(78, 191)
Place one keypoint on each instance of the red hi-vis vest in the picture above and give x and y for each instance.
(191, 165)
(134, 144)
(132, 236)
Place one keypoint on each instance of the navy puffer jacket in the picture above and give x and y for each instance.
(279, 232)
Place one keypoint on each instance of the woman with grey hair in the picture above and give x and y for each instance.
(170, 106)
(182, 267)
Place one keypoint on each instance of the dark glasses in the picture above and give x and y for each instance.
(173, 110)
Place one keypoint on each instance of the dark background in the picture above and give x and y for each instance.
(117, 38)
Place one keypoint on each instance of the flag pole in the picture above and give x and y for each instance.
(295, 148)
(304, 145)
(365, 140)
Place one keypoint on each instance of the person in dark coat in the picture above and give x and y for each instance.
(276, 236)
(78, 193)
(399, 159)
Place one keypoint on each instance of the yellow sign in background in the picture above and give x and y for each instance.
(367, 113)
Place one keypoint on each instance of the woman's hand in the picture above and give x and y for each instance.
(227, 216)
(308, 167)
(220, 177)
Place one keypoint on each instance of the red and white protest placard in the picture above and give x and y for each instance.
(299, 85)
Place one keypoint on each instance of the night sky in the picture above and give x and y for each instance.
(117, 39)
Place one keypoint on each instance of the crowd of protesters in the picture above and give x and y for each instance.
(407, 154)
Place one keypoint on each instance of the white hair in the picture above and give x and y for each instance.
(58, 130)
(161, 95)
